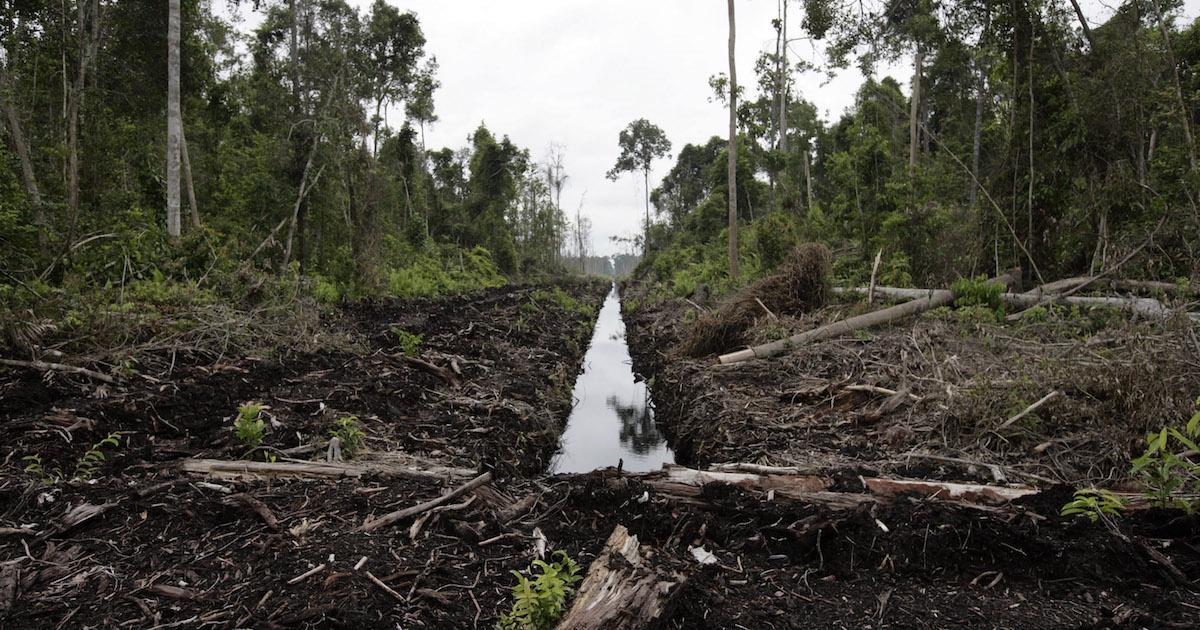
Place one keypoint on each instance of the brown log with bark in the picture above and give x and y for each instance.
(624, 588)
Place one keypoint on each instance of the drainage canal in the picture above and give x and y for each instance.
(613, 419)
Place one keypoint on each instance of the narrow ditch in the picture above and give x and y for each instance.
(612, 422)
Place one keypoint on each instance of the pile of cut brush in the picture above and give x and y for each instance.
(800, 285)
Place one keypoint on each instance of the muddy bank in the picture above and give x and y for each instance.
(928, 397)
(147, 545)
(191, 554)
(483, 379)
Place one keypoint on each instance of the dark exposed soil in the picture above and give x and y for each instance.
(956, 380)
(175, 550)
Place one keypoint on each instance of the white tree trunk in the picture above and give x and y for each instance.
(174, 122)
(733, 213)
(187, 177)
(914, 112)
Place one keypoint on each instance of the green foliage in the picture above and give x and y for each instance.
(324, 291)
(347, 431)
(978, 292)
(1171, 478)
(452, 271)
(85, 468)
(540, 601)
(564, 301)
(1094, 504)
(35, 467)
(409, 342)
(249, 425)
(94, 457)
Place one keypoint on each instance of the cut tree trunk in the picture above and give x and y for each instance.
(1148, 286)
(624, 588)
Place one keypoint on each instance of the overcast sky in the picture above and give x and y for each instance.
(575, 72)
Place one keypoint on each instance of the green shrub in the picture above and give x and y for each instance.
(978, 292)
(1171, 479)
(409, 342)
(249, 426)
(539, 602)
(91, 460)
(346, 430)
(1093, 504)
(564, 301)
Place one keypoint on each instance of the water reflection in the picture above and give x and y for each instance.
(613, 418)
(639, 431)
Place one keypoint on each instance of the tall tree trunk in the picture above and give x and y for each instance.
(174, 122)
(784, 92)
(87, 50)
(733, 213)
(187, 176)
(1087, 30)
(977, 134)
(915, 108)
(646, 185)
(808, 187)
(1184, 118)
(16, 138)
(295, 57)
(296, 214)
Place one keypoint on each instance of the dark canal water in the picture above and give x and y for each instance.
(613, 418)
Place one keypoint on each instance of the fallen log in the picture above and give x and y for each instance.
(398, 515)
(1149, 286)
(43, 366)
(1142, 306)
(686, 483)
(624, 588)
(932, 299)
(226, 469)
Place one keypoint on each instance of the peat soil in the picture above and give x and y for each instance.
(144, 545)
(929, 399)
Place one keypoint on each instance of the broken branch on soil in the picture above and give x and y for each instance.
(1030, 409)
(398, 515)
(43, 366)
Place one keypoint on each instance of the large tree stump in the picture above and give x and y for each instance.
(623, 588)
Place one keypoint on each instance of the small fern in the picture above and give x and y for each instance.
(1094, 504)
(539, 602)
(37, 469)
(90, 462)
